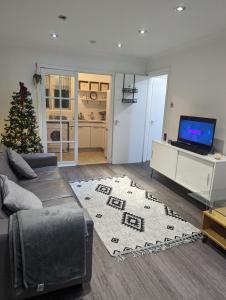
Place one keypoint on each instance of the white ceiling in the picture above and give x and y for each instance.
(30, 22)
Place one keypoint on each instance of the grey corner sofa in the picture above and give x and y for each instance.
(50, 187)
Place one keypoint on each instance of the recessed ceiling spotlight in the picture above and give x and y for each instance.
(119, 45)
(62, 17)
(54, 35)
(180, 8)
(142, 31)
(93, 42)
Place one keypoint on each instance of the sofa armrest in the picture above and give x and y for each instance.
(89, 246)
(5, 274)
(39, 160)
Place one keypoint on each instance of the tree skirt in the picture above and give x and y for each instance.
(130, 220)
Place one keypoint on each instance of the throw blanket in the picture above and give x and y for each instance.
(47, 246)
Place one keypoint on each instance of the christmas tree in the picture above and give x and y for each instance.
(21, 125)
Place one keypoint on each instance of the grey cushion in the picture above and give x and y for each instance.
(20, 165)
(16, 198)
(49, 189)
(5, 167)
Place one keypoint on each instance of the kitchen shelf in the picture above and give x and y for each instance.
(124, 100)
(88, 91)
(130, 90)
(96, 100)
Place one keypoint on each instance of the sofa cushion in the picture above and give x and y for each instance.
(38, 160)
(20, 166)
(66, 202)
(43, 174)
(16, 198)
(5, 167)
(48, 189)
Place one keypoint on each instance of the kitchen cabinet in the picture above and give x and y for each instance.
(97, 137)
(84, 136)
(91, 135)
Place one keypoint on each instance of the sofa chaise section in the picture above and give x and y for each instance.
(52, 190)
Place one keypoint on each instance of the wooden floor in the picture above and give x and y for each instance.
(91, 157)
(193, 271)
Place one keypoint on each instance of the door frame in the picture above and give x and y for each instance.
(42, 111)
(111, 108)
(40, 91)
(155, 73)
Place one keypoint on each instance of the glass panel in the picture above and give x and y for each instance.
(57, 103)
(65, 86)
(51, 113)
(68, 152)
(47, 85)
(53, 131)
(54, 148)
(66, 104)
(65, 130)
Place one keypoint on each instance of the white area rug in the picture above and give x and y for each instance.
(130, 220)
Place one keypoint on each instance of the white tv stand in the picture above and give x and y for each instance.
(201, 174)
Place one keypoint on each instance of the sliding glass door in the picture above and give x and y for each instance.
(59, 115)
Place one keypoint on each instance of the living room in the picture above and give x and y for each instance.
(147, 218)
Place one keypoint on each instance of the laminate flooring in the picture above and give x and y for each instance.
(192, 271)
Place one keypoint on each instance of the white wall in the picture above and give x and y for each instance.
(18, 64)
(197, 84)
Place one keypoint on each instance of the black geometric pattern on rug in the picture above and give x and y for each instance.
(148, 244)
(147, 207)
(134, 184)
(116, 203)
(115, 240)
(116, 252)
(167, 239)
(87, 198)
(98, 216)
(171, 213)
(104, 189)
(127, 249)
(149, 196)
(170, 227)
(133, 222)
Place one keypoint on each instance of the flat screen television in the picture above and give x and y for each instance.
(197, 131)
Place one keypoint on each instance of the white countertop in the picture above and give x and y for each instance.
(91, 121)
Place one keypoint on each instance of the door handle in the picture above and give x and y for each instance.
(116, 122)
(152, 122)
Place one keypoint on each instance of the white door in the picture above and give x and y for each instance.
(129, 121)
(59, 115)
(157, 88)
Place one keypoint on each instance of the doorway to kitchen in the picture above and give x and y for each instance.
(94, 94)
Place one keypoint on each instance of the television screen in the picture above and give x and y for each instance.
(197, 130)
